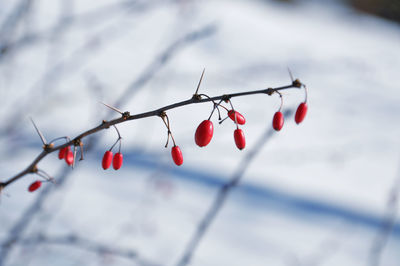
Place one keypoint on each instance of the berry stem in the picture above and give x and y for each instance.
(81, 148)
(280, 95)
(216, 107)
(56, 139)
(306, 92)
(165, 119)
(45, 175)
(118, 140)
(233, 109)
(73, 162)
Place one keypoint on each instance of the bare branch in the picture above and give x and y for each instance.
(124, 118)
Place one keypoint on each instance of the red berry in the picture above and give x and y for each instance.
(239, 117)
(117, 161)
(300, 113)
(177, 155)
(239, 139)
(277, 122)
(69, 156)
(107, 159)
(34, 186)
(204, 133)
(61, 153)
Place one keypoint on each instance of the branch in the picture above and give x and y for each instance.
(388, 223)
(49, 148)
(86, 244)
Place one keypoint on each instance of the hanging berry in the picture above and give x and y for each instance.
(34, 186)
(61, 153)
(177, 155)
(204, 133)
(301, 113)
(117, 161)
(176, 152)
(277, 122)
(239, 117)
(107, 160)
(240, 140)
(69, 156)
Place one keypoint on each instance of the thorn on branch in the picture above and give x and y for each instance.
(125, 115)
(113, 108)
(42, 138)
(290, 74)
(198, 85)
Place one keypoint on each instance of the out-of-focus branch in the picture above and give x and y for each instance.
(382, 237)
(65, 22)
(77, 241)
(28, 215)
(46, 83)
(11, 22)
(165, 57)
(222, 196)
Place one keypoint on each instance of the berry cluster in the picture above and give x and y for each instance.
(278, 120)
(108, 158)
(205, 130)
(66, 154)
(203, 134)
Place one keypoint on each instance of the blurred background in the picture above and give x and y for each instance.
(324, 192)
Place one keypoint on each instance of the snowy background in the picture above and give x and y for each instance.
(320, 193)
